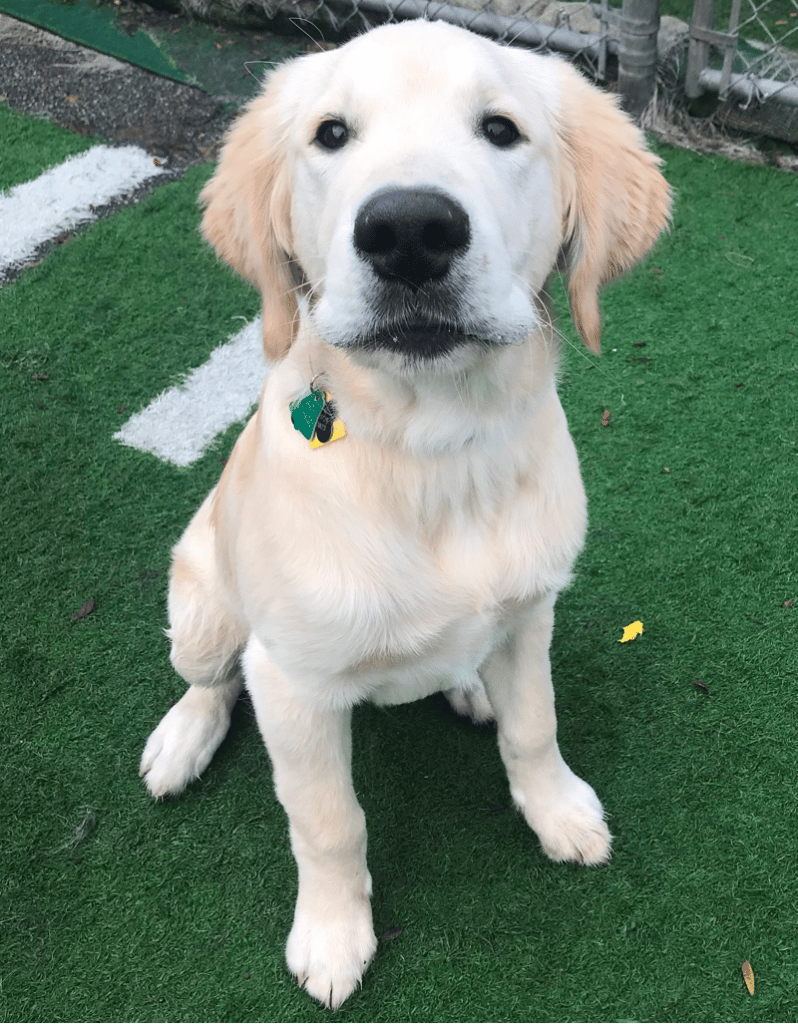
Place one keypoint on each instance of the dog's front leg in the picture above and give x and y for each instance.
(332, 938)
(563, 810)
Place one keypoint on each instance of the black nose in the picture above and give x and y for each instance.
(411, 234)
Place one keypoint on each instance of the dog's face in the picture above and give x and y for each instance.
(418, 224)
(414, 190)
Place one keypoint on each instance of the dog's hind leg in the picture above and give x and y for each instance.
(206, 642)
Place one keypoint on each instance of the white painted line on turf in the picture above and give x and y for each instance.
(63, 197)
(180, 423)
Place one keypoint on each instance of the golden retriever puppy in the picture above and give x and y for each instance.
(399, 515)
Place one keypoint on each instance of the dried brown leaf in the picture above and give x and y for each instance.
(605, 418)
(84, 610)
(748, 975)
(391, 934)
(699, 684)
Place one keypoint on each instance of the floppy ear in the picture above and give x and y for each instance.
(247, 213)
(615, 201)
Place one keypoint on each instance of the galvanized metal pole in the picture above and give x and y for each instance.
(698, 52)
(637, 55)
(516, 29)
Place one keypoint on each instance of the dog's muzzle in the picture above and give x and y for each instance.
(411, 238)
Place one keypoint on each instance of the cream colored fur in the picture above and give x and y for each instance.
(425, 550)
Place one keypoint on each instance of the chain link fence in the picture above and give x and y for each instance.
(603, 39)
(754, 59)
(584, 30)
(577, 28)
(751, 62)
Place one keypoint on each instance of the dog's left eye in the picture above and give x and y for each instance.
(500, 131)
(332, 134)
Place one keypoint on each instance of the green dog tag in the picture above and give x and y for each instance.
(305, 413)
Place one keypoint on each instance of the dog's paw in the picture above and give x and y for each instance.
(182, 745)
(471, 701)
(329, 957)
(569, 821)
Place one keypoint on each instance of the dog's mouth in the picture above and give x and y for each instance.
(419, 340)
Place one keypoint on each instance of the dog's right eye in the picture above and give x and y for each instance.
(332, 134)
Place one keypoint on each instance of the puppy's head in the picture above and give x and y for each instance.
(412, 192)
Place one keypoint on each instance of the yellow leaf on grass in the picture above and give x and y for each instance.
(748, 974)
(631, 631)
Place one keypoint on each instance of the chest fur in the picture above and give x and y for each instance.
(382, 575)
(390, 607)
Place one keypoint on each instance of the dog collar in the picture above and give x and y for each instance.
(314, 417)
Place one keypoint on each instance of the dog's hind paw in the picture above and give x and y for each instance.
(471, 701)
(182, 745)
(569, 821)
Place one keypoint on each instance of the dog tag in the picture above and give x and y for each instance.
(305, 413)
(314, 417)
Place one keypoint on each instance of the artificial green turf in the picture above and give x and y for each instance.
(117, 908)
(96, 24)
(28, 146)
(222, 62)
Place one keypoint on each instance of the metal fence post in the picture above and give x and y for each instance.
(698, 52)
(637, 56)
